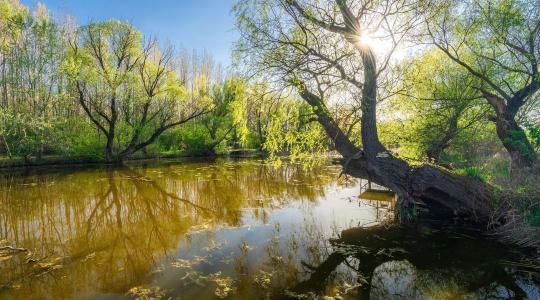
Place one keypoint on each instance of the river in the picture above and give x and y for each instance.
(230, 229)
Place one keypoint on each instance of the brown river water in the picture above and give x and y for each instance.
(230, 229)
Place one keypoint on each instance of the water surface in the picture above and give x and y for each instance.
(231, 230)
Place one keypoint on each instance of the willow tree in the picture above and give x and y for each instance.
(497, 41)
(439, 103)
(121, 82)
(325, 50)
(262, 105)
(228, 118)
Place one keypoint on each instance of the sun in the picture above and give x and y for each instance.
(380, 43)
(372, 40)
(366, 40)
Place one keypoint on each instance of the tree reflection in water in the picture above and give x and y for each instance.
(104, 229)
(238, 230)
(400, 263)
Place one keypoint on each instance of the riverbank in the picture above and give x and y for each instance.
(54, 160)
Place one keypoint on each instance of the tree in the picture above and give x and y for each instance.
(439, 102)
(497, 41)
(31, 85)
(228, 115)
(322, 50)
(263, 104)
(121, 84)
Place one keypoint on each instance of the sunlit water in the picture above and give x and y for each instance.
(232, 230)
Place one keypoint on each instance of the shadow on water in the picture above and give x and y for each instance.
(231, 230)
(403, 263)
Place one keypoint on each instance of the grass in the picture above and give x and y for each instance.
(473, 172)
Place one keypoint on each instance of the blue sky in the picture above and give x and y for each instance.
(192, 24)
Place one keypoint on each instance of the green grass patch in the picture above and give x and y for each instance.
(473, 172)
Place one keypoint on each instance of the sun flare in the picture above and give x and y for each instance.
(366, 40)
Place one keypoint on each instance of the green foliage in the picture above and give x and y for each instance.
(24, 134)
(31, 52)
(439, 106)
(291, 132)
(195, 140)
(534, 134)
(227, 120)
(473, 172)
(76, 137)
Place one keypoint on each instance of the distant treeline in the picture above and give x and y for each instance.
(104, 90)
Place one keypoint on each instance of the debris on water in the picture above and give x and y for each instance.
(142, 293)
(7, 252)
(213, 245)
(264, 279)
(188, 264)
(225, 284)
(245, 247)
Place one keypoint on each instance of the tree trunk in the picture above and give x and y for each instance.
(512, 136)
(434, 154)
(370, 136)
(515, 141)
(109, 154)
(39, 153)
(421, 190)
(8, 151)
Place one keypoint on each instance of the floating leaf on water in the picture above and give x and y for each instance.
(194, 278)
(4, 257)
(225, 285)
(90, 256)
(213, 245)
(182, 264)
(187, 264)
(245, 247)
(293, 295)
(142, 293)
(264, 279)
